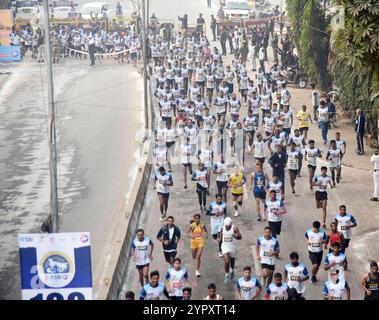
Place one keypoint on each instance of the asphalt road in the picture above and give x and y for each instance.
(99, 109)
(354, 191)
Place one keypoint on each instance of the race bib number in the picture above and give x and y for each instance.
(344, 228)
(177, 285)
(315, 245)
(295, 278)
(228, 239)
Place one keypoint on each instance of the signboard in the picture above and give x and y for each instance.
(10, 54)
(55, 266)
(6, 23)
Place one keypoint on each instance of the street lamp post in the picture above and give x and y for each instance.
(144, 51)
(51, 125)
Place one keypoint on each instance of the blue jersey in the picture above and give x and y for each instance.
(259, 182)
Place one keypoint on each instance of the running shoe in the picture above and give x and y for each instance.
(259, 218)
(163, 218)
(231, 275)
(198, 274)
(313, 279)
(220, 254)
(226, 280)
(236, 214)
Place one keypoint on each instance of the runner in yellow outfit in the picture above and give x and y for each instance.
(197, 231)
(305, 119)
(236, 182)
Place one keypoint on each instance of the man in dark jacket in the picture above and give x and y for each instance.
(278, 162)
(223, 37)
(213, 26)
(169, 235)
(360, 122)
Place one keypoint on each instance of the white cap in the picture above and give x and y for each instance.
(227, 221)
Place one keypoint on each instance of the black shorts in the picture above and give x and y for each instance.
(200, 83)
(142, 266)
(133, 55)
(305, 129)
(198, 118)
(170, 81)
(237, 195)
(267, 266)
(313, 167)
(219, 115)
(210, 90)
(315, 257)
(261, 160)
(200, 188)
(166, 119)
(276, 227)
(164, 195)
(260, 195)
(222, 184)
(321, 195)
(293, 171)
(187, 164)
(345, 243)
(170, 144)
(169, 255)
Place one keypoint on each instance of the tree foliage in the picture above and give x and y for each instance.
(356, 63)
(309, 33)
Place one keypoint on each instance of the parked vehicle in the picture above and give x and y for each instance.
(96, 8)
(62, 9)
(237, 9)
(27, 9)
(296, 75)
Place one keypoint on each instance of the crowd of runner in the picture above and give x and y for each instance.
(74, 42)
(201, 99)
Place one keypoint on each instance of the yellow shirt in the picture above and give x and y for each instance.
(304, 119)
(197, 230)
(236, 182)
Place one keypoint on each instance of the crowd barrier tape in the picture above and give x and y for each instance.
(101, 54)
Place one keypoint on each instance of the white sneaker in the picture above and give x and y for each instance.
(220, 254)
(236, 214)
(197, 273)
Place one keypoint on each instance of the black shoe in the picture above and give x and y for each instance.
(374, 199)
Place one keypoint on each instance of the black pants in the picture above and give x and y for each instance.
(360, 142)
(223, 46)
(202, 194)
(214, 34)
(91, 51)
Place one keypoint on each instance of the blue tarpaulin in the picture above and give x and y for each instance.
(10, 53)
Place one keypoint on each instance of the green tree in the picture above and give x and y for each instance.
(310, 35)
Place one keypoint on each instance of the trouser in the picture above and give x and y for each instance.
(324, 130)
(254, 62)
(91, 51)
(376, 184)
(360, 143)
(275, 53)
(281, 177)
(41, 50)
(315, 112)
(262, 62)
(231, 45)
(223, 46)
(214, 34)
(202, 195)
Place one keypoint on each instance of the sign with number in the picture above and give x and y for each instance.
(55, 266)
